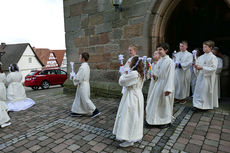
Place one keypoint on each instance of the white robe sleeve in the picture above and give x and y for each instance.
(209, 69)
(169, 86)
(79, 77)
(4, 78)
(129, 79)
(220, 66)
(187, 63)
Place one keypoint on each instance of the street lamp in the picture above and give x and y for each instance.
(117, 5)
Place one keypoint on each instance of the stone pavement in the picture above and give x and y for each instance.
(47, 128)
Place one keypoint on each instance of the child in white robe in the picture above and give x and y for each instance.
(183, 63)
(132, 52)
(82, 104)
(128, 125)
(193, 76)
(205, 94)
(159, 107)
(4, 117)
(16, 95)
(216, 52)
(156, 58)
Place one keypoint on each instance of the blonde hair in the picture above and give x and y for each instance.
(134, 47)
(184, 42)
(209, 43)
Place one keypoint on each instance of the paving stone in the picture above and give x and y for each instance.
(59, 148)
(73, 147)
(225, 136)
(191, 148)
(179, 146)
(26, 151)
(211, 142)
(213, 136)
(99, 147)
(198, 137)
(209, 148)
(196, 142)
(183, 140)
(85, 148)
(224, 148)
(35, 148)
(90, 137)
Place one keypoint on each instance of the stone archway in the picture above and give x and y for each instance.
(156, 21)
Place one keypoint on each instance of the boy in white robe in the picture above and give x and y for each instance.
(156, 58)
(132, 52)
(82, 104)
(205, 94)
(183, 63)
(128, 125)
(216, 52)
(4, 117)
(159, 107)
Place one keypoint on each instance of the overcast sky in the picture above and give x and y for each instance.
(38, 22)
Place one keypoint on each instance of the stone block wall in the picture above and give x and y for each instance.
(93, 26)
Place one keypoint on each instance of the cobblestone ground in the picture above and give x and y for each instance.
(46, 128)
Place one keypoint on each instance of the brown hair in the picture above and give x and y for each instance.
(134, 47)
(139, 67)
(1, 71)
(14, 67)
(165, 46)
(209, 43)
(184, 42)
(85, 55)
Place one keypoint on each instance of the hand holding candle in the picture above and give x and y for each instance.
(72, 74)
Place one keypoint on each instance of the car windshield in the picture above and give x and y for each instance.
(32, 73)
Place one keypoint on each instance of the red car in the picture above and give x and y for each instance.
(45, 78)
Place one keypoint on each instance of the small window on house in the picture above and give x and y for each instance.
(30, 60)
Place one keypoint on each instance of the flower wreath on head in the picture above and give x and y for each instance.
(12, 67)
(139, 59)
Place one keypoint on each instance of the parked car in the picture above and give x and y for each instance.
(45, 78)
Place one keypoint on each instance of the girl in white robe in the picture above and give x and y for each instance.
(159, 107)
(128, 125)
(205, 94)
(4, 117)
(16, 96)
(183, 63)
(82, 104)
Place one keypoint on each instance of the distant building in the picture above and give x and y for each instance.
(52, 58)
(21, 54)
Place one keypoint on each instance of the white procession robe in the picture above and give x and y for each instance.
(127, 68)
(4, 117)
(183, 75)
(153, 81)
(218, 72)
(82, 103)
(159, 107)
(205, 94)
(130, 115)
(16, 96)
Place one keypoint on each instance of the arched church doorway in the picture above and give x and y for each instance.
(197, 21)
(192, 20)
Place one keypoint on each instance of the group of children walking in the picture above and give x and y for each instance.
(14, 97)
(170, 83)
